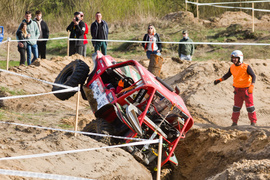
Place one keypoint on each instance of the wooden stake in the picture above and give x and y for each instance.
(155, 64)
(159, 157)
(240, 6)
(8, 47)
(197, 9)
(68, 43)
(77, 109)
(253, 17)
(186, 5)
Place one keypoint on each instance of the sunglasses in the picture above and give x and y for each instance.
(150, 28)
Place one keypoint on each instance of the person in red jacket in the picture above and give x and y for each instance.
(85, 38)
(243, 83)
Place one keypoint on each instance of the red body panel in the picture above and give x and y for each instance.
(149, 83)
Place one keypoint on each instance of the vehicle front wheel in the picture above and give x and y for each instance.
(73, 74)
(104, 127)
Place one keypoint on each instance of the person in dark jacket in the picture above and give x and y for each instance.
(99, 30)
(22, 45)
(77, 29)
(44, 34)
(154, 47)
(186, 51)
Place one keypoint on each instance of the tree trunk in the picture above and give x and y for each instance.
(155, 64)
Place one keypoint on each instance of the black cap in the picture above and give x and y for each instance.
(76, 13)
(184, 32)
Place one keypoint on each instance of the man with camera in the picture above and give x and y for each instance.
(77, 29)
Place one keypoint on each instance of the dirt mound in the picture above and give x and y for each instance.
(229, 153)
(180, 17)
(246, 169)
(98, 164)
(229, 18)
(240, 17)
(265, 18)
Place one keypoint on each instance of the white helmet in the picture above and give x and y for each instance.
(239, 54)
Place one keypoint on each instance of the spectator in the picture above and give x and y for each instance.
(77, 29)
(243, 83)
(99, 30)
(186, 51)
(33, 31)
(44, 34)
(154, 47)
(85, 38)
(22, 45)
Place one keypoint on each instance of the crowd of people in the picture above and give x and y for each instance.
(31, 30)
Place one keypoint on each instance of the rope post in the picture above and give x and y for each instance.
(8, 48)
(159, 157)
(253, 17)
(68, 43)
(186, 4)
(77, 109)
(197, 9)
(240, 6)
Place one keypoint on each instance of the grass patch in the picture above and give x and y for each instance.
(3, 64)
(12, 92)
(65, 126)
(57, 47)
(2, 115)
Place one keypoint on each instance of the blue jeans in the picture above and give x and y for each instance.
(31, 49)
(148, 53)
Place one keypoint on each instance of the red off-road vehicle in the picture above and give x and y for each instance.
(129, 101)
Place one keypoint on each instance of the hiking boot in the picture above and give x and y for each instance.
(234, 124)
(253, 124)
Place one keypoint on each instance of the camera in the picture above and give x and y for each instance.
(77, 19)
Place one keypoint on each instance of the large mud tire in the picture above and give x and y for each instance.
(73, 74)
(103, 127)
(91, 127)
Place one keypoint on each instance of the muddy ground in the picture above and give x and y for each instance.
(212, 149)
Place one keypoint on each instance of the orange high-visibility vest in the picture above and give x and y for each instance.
(241, 79)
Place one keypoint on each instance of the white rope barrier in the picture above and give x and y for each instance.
(29, 77)
(242, 2)
(41, 94)
(57, 38)
(80, 150)
(247, 8)
(231, 7)
(70, 131)
(164, 42)
(3, 42)
(39, 175)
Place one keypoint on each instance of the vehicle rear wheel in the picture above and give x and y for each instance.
(103, 127)
(91, 127)
(73, 74)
